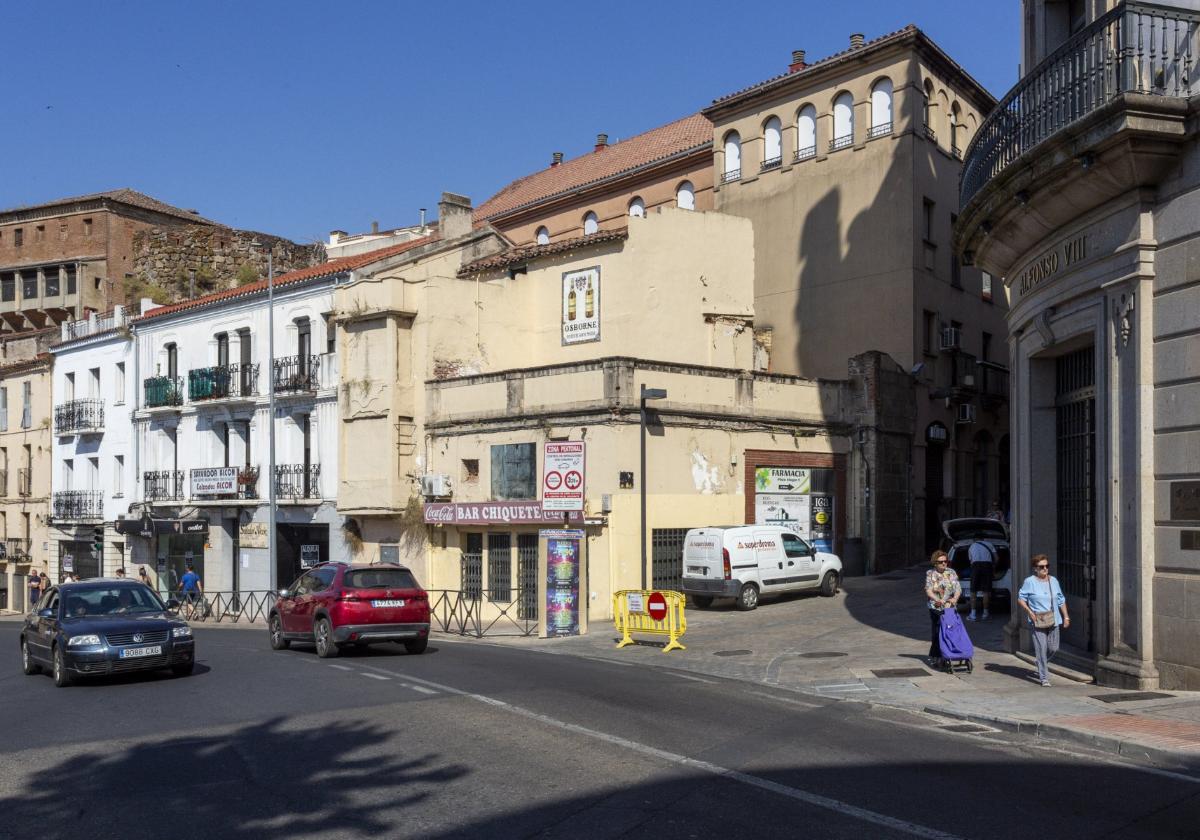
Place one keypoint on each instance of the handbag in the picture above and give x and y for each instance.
(1046, 620)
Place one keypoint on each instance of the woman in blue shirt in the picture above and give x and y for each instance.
(1040, 593)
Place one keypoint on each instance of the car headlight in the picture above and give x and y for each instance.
(83, 641)
(183, 632)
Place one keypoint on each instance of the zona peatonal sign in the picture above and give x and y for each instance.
(563, 474)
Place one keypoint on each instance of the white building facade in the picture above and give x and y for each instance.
(201, 434)
(92, 466)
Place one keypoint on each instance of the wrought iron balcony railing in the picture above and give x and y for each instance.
(79, 416)
(881, 130)
(163, 485)
(772, 163)
(1134, 48)
(297, 373)
(961, 373)
(78, 504)
(223, 382)
(17, 548)
(298, 481)
(160, 391)
(731, 175)
(843, 142)
(993, 381)
(25, 481)
(805, 153)
(930, 134)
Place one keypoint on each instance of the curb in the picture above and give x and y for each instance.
(1123, 747)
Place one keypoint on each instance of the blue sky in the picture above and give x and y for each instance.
(296, 118)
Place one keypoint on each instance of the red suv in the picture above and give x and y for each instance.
(339, 604)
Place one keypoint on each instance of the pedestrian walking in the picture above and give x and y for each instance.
(143, 577)
(45, 579)
(942, 590)
(1046, 609)
(190, 585)
(983, 572)
(35, 587)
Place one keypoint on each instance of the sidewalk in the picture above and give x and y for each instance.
(869, 644)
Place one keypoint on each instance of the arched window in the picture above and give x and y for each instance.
(955, 120)
(928, 110)
(772, 143)
(685, 196)
(637, 207)
(591, 223)
(543, 236)
(881, 108)
(843, 122)
(733, 157)
(806, 133)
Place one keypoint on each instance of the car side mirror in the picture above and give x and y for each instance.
(172, 604)
(47, 613)
(285, 593)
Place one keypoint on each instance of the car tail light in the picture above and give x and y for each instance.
(346, 596)
(725, 564)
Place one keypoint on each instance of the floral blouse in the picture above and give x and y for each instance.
(944, 585)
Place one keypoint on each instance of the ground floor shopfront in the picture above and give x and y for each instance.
(1105, 327)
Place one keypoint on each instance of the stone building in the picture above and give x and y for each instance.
(848, 168)
(1082, 189)
(25, 448)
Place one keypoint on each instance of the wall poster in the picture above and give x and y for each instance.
(562, 581)
(581, 306)
(799, 498)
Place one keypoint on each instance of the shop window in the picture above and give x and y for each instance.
(514, 471)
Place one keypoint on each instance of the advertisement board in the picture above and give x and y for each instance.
(782, 480)
(563, 549)
(214, 481)
(789, 510)
(581, 306)
(493, 513)
(563, 475)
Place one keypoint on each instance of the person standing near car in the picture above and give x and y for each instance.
(983, 572)
(942, 590)
(1046, 609)
(35, 587)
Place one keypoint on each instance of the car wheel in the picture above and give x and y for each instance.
(702, 602)
(62, 677)
(829, 584)
(323, 633)
(184, 669)
(748, 597)
(416, 647)
(27, 664)
(276, 628)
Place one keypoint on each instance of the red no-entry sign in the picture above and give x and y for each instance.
(656, 606)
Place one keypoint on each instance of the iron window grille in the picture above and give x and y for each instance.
(79, 416)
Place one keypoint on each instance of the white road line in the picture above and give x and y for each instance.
(843, 687)
(787, 700)
(690, 677)
(420, 688)
(340, 667)
(375, 676)
(815, 799)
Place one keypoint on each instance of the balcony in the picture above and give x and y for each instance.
(843, 142)
(163, 485)
(298, 481)
(771, 163)
(16, 549)
(79, 417)
(1104, 114)
(993, 384)
(3, 483)
(805, 153)
(162, 392)
(731, 175)
(881, 130)
(961, 381)
(297, 374)
(25, 481)
(78, 505)
(223, 382)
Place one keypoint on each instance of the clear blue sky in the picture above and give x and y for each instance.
(296, 118)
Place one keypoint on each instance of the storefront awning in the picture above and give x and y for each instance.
(148, 526)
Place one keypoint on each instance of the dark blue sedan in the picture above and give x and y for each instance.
(104, 626)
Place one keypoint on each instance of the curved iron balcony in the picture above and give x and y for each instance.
(76, 505)
(1134, 48)
(295, 374)
(79, 416)
(161, 391)
(298, 481)
(223, 382)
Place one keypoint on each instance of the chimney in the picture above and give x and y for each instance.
(454, 216)
(335, 236)
(856, 41)
(601, 142)
(422, 218)
(797, 61)
(556, 159)
(374, 227)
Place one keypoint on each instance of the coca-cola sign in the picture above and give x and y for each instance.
(493, 513)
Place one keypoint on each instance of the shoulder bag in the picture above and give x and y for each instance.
(1046, 620)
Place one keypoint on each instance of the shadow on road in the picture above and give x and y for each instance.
(269, 780)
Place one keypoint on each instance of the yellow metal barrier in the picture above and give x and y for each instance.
(632, 610)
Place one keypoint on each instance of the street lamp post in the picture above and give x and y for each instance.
(646, 394)
(272, 548)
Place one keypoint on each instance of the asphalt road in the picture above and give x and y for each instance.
(474, 740)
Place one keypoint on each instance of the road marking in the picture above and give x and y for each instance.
(815, 799)
(842, 687)
(419, 688)
(690, 677)
(340, 667)
(374, 676)
(787, 700)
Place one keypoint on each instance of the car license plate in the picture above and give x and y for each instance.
(389, 603)
(130, 653)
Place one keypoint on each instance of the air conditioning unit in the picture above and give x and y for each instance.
(951, 338)
(966, 414)
(436, 485)
(968, 380)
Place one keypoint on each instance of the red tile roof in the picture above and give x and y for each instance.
(326, 269)
(519, 255)
(122, 196)
(688, 134)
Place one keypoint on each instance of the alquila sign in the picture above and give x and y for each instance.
(1046, 266)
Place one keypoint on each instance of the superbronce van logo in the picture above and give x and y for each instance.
(756, 544)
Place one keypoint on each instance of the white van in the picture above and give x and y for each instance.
(747, 562)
